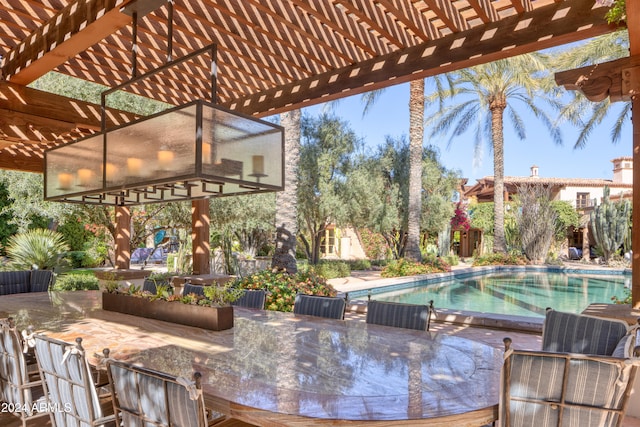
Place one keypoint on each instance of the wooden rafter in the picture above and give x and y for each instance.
(562, 23)
(70, 31)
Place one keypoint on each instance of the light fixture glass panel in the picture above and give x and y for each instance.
(154, 149)
(74, 168)
(242, 148)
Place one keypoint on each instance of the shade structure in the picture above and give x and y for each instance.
(192, 151)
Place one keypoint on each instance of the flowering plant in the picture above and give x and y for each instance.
(282, 287)
(460, 218)
(617, 11)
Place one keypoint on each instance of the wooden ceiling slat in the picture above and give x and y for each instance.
(244, 48)
(411, 18)
(485, 10)
(343, 24)
(561, 23)
(365, 11)
(307, 32)
(448, 14)
(51, 45)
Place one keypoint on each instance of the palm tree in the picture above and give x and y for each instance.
(416, 138)
(585, 114)
(284, 257)
(488, 92)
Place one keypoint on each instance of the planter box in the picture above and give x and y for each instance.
(212, 318)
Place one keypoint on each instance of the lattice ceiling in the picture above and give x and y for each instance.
(273, 55)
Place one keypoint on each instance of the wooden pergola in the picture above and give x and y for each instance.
(273, 56)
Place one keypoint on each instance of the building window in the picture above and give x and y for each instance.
(582, 200)
(328, 242)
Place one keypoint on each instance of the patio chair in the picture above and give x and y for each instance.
(146, 397)
(313, 305)
(67, 380)
(190, 288)
(583, 375)
(400, 315)
(20, 389)
(578, 333)
(252, 298)
(542, 389)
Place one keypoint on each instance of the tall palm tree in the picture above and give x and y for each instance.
(488, 92)
(286, 201)
(416, 138)
(585, 114)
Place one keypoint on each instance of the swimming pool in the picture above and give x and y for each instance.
(521, 294)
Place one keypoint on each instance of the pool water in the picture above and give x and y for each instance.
(521, 294)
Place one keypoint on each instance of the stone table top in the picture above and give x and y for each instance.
(282, 369)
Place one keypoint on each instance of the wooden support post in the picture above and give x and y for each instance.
(200, 236)
(123, 238)
(633, 25)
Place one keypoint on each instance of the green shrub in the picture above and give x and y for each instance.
(452, 259)
(330, 269)
(360, 264)
(404, 267)
(499, 259)
(282, 287)
(76, 281)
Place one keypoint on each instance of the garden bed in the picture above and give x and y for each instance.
(206, 317)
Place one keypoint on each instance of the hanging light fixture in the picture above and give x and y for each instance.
(192, 151)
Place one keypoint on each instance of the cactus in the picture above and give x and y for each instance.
(610, 224)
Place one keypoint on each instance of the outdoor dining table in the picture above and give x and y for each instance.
(276, 368)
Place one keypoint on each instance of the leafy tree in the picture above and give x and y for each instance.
(7, 229)
(325, 160)
(27, 201)
(379, 193)
(566, 216)
(248, 218)
(486, 93)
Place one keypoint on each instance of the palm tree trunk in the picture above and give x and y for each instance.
(284, 257)
(497, 107)
(416, 134)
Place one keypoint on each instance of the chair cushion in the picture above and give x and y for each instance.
(575, 333)
(40, 280)
(14, 277)
(625, 346)
(14, 288)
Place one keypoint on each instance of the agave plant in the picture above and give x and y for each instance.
(37, 248)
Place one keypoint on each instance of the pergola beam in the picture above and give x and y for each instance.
(563, 23)
(75, 28)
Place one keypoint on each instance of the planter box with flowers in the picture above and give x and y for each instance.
(213, 311)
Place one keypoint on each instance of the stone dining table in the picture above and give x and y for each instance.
(276, 368)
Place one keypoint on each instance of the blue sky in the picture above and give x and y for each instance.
(390, 116)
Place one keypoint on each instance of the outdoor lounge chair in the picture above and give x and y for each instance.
(20, 388)
(146, 397)
(72, 397)
(190, 288)
(252, 298)
(582, 377)
(313, 305)
(400, 315)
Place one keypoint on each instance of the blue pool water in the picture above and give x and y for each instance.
(521, 294)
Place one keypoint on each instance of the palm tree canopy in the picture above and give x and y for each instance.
(581, 112)
(522, 79)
